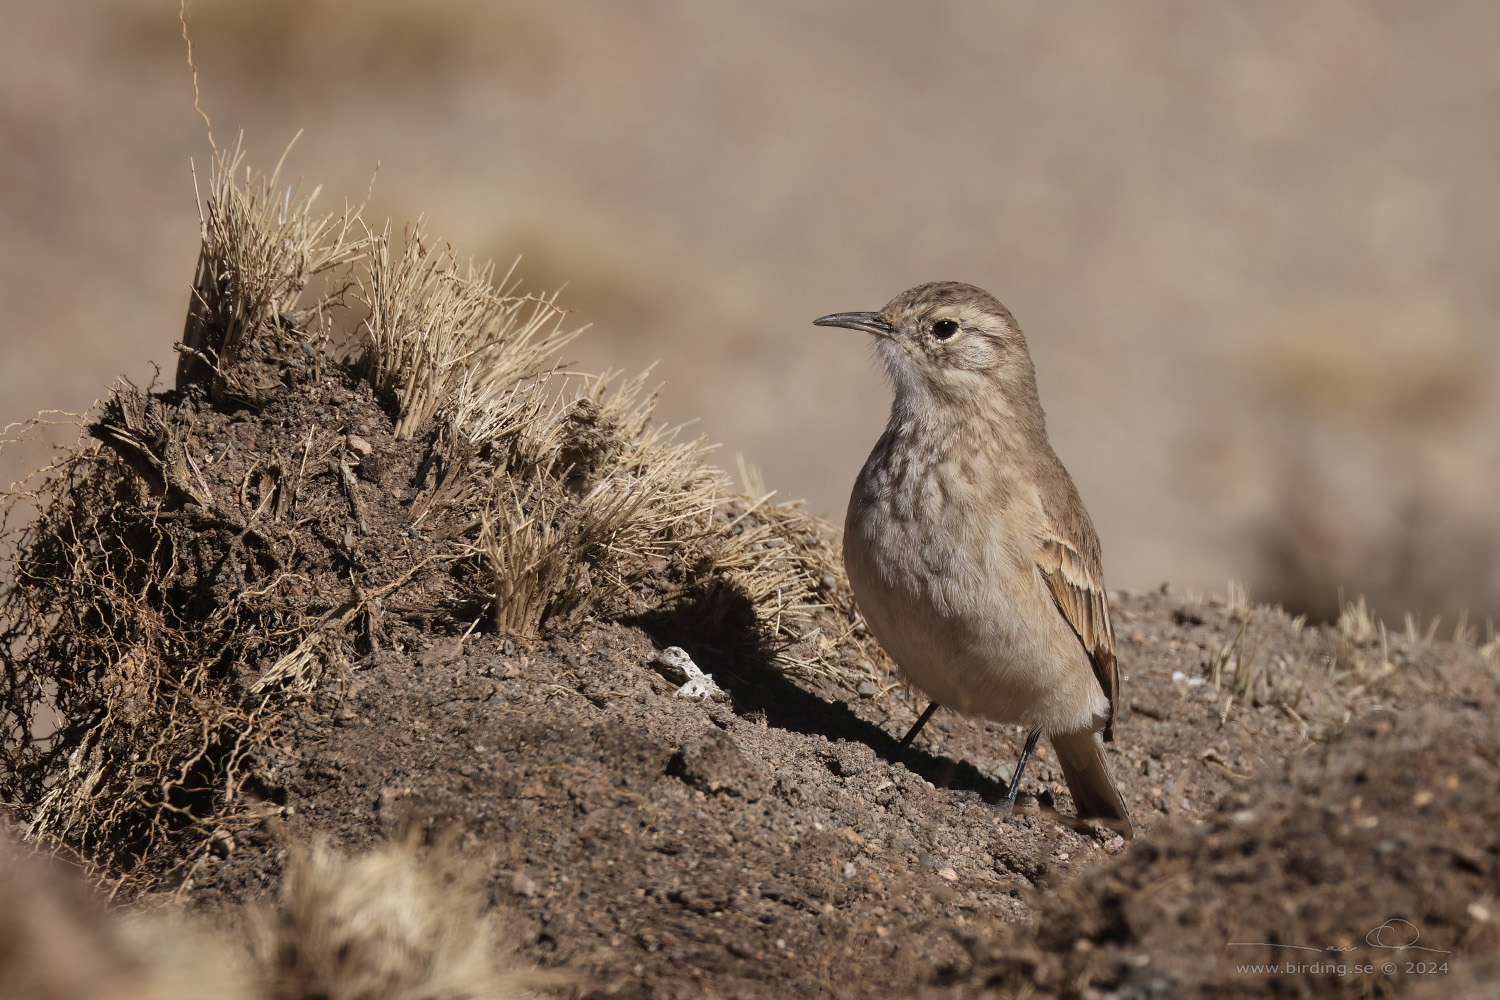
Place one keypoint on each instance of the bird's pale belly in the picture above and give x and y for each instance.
(942, 608)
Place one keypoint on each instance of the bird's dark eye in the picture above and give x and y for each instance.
(944, 328)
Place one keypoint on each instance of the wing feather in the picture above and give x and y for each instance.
(1076, 588)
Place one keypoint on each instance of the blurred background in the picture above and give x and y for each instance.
(1253, 246)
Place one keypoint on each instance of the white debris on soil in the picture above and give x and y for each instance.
(675, 665)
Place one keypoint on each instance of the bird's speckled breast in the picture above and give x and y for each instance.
(965, 615)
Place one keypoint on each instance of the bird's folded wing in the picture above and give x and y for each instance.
(1076, 589)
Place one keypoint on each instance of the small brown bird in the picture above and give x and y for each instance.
(970, 553)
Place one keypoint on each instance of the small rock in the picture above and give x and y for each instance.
(358, 445)
(866, 689)
(948, 873)
(522, 884)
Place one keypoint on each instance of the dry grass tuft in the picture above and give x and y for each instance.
(262, 246)
(441, 335)
(608, 501)
(619, 519)
(385, 926)
(1360, 667)
(388, 925)
(1358, 632)
(584, 506)
(1319, 693)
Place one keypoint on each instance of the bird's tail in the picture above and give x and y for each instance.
(1081, 756)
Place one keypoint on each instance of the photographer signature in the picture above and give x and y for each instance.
(1394, 934)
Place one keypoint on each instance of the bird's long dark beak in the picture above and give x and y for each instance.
(868, 322)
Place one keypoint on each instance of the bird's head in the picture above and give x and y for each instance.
(948, 343)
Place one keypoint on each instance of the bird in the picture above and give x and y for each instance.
(970, 554)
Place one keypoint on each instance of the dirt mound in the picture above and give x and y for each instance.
(780, 843)
(427, 585)
(1364, 867)
(222, 547)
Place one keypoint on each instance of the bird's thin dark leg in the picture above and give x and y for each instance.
(1015, 781)
(916, 728)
